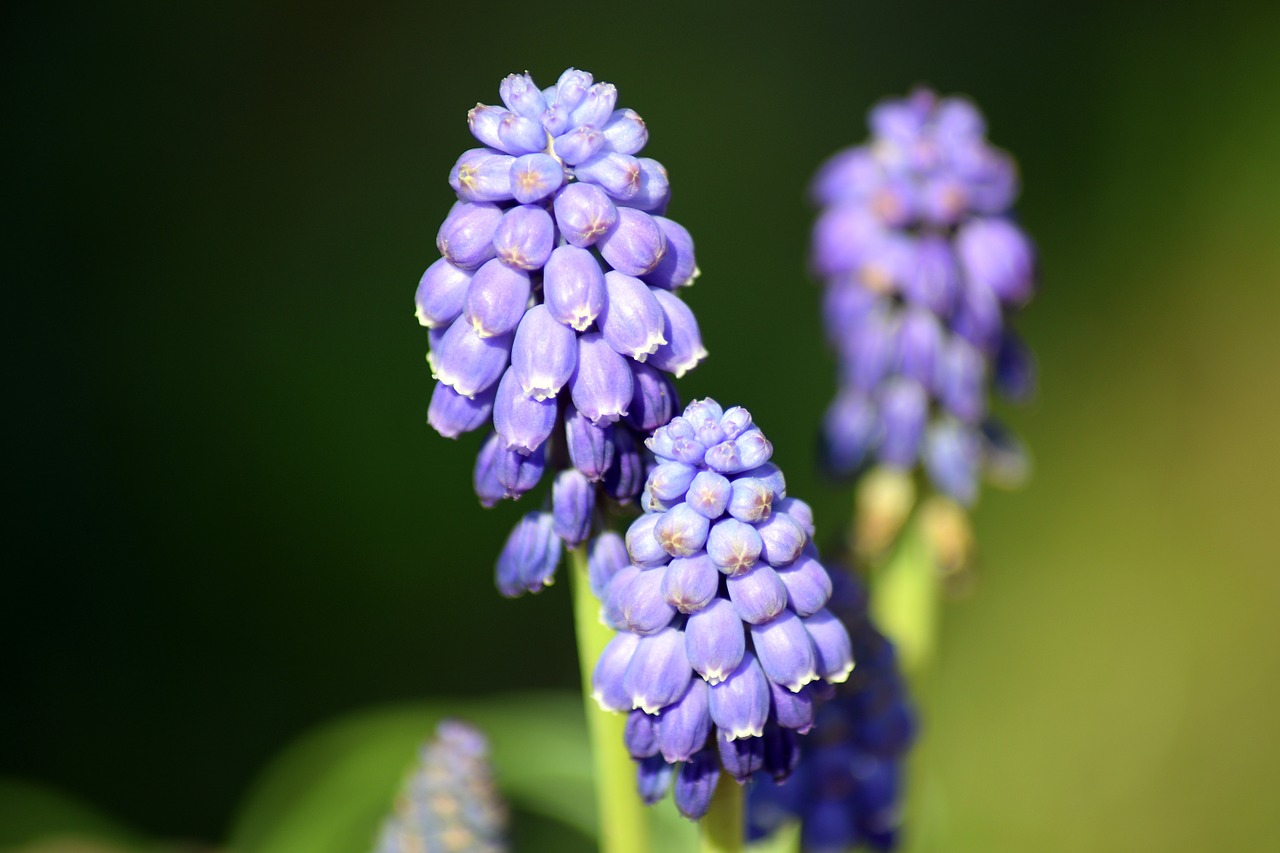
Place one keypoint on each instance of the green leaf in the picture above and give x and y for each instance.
(30, 812)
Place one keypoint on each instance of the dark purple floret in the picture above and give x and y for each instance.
(845, 786)
(925, 269)
(551, 313)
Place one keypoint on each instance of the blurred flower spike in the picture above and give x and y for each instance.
(449, 802)
(724, 643)
(552, 313)
(924, 269)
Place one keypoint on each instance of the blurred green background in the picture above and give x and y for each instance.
(231, 524)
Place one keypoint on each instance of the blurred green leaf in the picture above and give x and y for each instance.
(330, 790)
(31, 813)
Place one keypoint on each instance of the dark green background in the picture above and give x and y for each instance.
(229, 521)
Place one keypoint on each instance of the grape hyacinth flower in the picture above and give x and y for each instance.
(846, 788)
(924, 269)
(450, 801)
(552, 312)
(724, 642)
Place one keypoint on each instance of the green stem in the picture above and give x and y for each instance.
(624, 827)
(723, 824)
(906, 606)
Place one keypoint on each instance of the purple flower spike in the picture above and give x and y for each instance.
(452, 414)
(678, 268)
(644, 610)
(832, 646)
(683, 348)
(543, 354)
(482, 174)
(601, 385)
(616, 174)
(530, 556)
(522, 422)
(653, 779)
(714, 640)
(808, 584)
(441, 295)
(690, 583)
(466, 237)
(496, 299)
(786, 653)
(626, 132)
(591, 448)
(683, 728)
(584, 213)
(740, 703)
(733, 545)
(533, 177)
(658, 673)
(654, 399)
(607, 679)
(758, 595)
(573, 500)
(924, 269)
(525, 237)
(469, 363)
(524, 327)
(696, 785)
(682, 531)
(606, 555)
(643, 544)
(635, 244)
(632, 319)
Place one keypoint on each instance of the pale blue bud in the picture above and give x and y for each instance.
(543, 354)
(741, 757)
(441, 295)
(641, 735)
(482, 174)
(683, 348)
(752, 500)
(520, 135)
(483, 121)
(644, 610)
(733, 546)
(690, 583)
(496, 299)
(799, 510)
(653, 400)
(635, 244)
(807, 582)
(607, 686)
(793, 710)
(683, 727)
(678, 268)
(625, 131)
(758, 595)
(518, 472)
(529, 558)
(596, 106)
(533, 177)
(573, 285)
(617, 174)
(643, 544)
(653, 779)
(525, 237)
(578, 145)
(522, 96)
(783, 539)
(695, 785)
(714, 640)
(655, 187)
(584, 213)
(606, 556)
(740, 704)
(485, 475)
(632, 320)
(682, 531)
(452, 414)
(601, 384)
(832, 646)
(468, 363)
(591, 448)
(573, 500)
(785, 651)
(709, 494)
(670, 480)
(659, 673)
(466, 236)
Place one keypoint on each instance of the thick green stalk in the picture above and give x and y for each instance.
(722, 827)
(624, 826)
(906, 605)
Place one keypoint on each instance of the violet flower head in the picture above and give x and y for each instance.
(924, 268)
(724, 642)
(450, 801)
(552, 312)
(846, 789)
